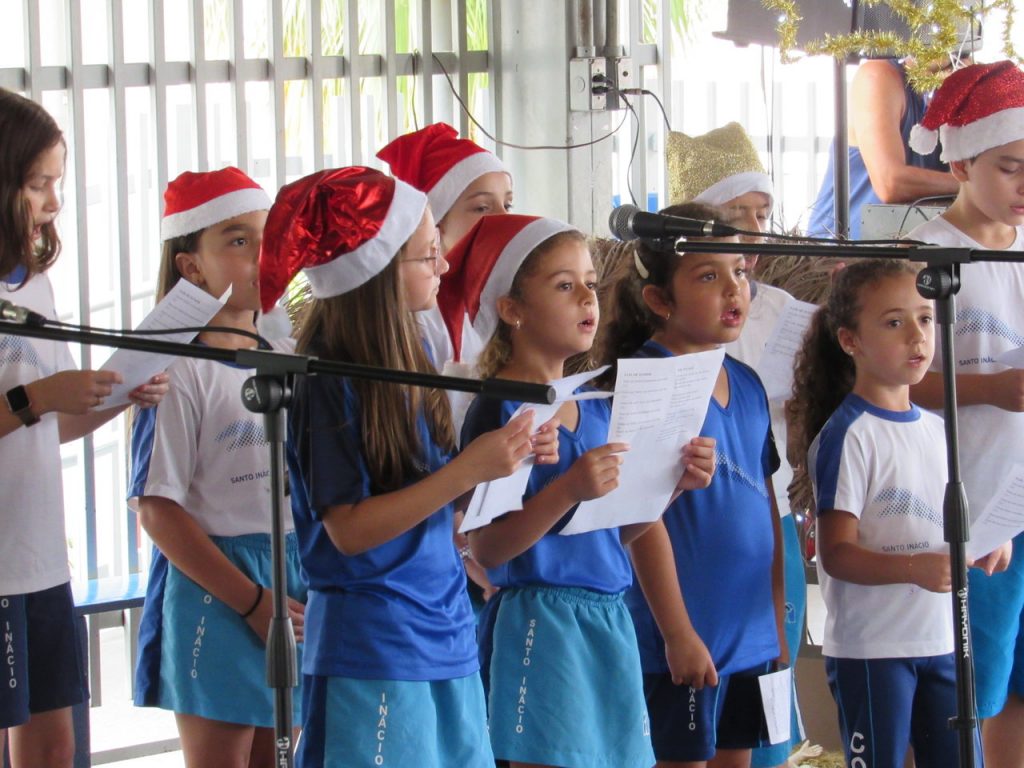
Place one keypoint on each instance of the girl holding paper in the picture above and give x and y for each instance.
(45, 402)
(701, 655)
(390, 666)
(877, 465)
(565, 687)
(200, 481)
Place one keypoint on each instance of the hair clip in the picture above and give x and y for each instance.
(640, 268)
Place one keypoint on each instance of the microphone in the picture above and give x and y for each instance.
(13, 313)
(627, 222)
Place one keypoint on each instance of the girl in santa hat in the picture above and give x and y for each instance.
(463, 182)
(564, 671)
(45, 402)
(200, 481)
(390, 666)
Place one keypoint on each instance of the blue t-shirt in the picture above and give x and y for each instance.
(823, 217)
(722, 536)
(595, 560)
(399, 611)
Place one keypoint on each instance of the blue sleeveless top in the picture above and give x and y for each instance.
(823, 217)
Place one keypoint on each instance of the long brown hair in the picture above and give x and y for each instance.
(627, 322)
(169, 274)
(824, 374)
(26, 131)
(371, 325)
(498, 350)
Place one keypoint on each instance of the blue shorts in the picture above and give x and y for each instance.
(688, 725)
(997, 632)
(353, 723)
(796, 611)
(565, 681)
(197, 656)
(42, 665)
(887, 704)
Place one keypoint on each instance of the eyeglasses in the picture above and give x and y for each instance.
(434, 259)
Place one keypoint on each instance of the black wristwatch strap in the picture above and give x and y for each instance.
(18, 402)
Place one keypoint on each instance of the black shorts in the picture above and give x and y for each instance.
(41, 665)
(688, 725)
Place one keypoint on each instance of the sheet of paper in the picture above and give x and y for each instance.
(776, 364)
(186, 305)
(660, 404)
(1013, 358)
(776, 696)
(1002, 519)
(494, 499)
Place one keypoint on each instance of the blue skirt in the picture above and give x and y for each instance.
(565, 681)
(354, 723)
(196, 655)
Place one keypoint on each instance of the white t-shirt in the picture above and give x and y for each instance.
(33, 543)
(989, 321)
(209, 454)
(765, 308)
(888, 469)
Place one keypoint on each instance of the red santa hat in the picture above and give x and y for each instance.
(195, 201)
(482, 266)
(976, 108)
(339, 227)
(436, 161)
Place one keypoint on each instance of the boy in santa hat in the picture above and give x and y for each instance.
(978, 117)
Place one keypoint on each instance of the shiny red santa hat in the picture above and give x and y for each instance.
(340, 227)
(976, 108)
(436, 161)
(195, 201)
(482, 266)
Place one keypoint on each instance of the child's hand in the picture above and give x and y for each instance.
(596, 472)
(689, 661)
(1007, 390)
(498, 453)
(152, 392)
(259, 620)
(74, 392)
(996, 561)
(699, 460)
(931, 571)
(545, 442)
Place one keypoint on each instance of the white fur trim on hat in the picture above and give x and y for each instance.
(922, 140)
(348, 271)
(731, 187)
(499, 283)
(213, 212)
(446, 191)
(965, 142)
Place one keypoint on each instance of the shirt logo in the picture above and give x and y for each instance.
(973, 321)
(242, 434)
(899, 502)
(727, 465)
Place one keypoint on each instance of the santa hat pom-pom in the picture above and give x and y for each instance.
(923, 140)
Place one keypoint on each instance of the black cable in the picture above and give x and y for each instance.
(632, 152)
(263, 343)
(496, 140)
(916, 206)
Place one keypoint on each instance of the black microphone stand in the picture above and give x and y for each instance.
(940, 281)
(269, 392)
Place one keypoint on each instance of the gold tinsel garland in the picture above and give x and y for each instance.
(941, 19)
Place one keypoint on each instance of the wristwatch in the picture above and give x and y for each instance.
(18, 402)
